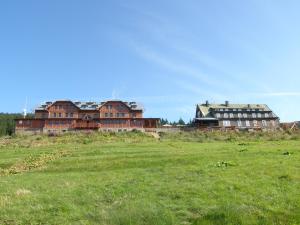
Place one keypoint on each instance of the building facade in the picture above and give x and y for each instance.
(236, 116)
(65, 115)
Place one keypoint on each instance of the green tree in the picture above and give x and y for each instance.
(181, 122)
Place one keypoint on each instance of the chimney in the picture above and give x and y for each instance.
(227, 103)
(207, 103)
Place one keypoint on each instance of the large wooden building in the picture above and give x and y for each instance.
(236, 116)
(65, 115)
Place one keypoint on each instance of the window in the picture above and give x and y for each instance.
(106, 114)
(133, 115)
(239, 122)
(67, 114)
(71, 115)
(218, 115)
(221, 109)
(264, 123)
(54, 114)
(225, 115)
(226, 123)
(253, 115)
(255, 123)
(123, 114)
(266, 115)
(247, 123)
(59, 114)
(239, 115)
(111, 115)
(231, 115)
(245, 115)
(258, 115)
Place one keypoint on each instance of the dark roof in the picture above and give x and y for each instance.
(206, 109)
(91, 105)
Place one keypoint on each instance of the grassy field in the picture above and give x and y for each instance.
(132, 178)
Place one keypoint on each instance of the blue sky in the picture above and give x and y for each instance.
(169, 55)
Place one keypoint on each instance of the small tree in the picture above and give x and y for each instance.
(181, 122)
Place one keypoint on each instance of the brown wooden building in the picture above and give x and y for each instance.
(65, 115)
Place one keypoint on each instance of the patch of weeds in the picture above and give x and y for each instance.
(22, 192)
(32, 162)
(86, 141)
(287, 153)
(243, 144)
(285, 177)
(243, 150)
(225, 164)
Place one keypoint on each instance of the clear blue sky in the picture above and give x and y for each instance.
(168, 54)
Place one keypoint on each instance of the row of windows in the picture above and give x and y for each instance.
(118, 115)
(52, 123)
(70, 115)
(63, 106)
(60, 115)
(113, 122)
(119, 107)
(227, 123)
(248, 110)
(243, 115)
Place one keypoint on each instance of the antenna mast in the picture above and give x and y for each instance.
(25, 109)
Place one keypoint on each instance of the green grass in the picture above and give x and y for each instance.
(131, 178)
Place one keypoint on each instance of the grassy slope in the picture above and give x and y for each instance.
(135, 179)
